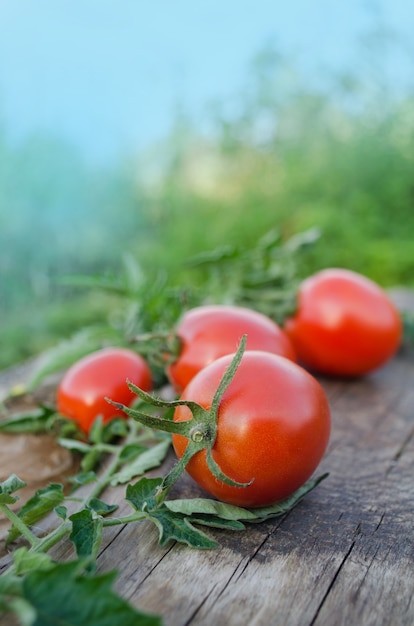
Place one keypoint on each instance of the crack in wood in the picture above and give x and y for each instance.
(332, 583)
(199, 607)
(150, 572)
(380, 522)
(397, 456)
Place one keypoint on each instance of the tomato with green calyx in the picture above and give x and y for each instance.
(82, 391)
(212, 331)
(273, 427)
(345, 324)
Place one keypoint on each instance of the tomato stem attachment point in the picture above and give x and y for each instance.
(200, 429)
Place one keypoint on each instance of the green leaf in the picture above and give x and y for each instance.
(174, 526)
(7, 487)
(100, 507)
(205, 506)
(117, 427)
(86, 533)
(74, 445)
(36, 421)
(61, 511)
(61, 596)
(142, 495)
(41, 503)
(83, 478)
(97, 430)
(26, 561)
(152, 457)
(130, 452)
(91, 460)
(216, 522)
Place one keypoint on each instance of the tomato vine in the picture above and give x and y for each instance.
(83, 520)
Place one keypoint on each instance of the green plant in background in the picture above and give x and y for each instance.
(288, 153)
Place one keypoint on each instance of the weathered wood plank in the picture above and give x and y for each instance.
(349, 542)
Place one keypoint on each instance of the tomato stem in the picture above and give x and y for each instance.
(163, 347)
(20, 525)
(200, 429)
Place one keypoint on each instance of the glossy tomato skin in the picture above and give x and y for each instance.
(212, 331)
(82, 391)
(273, 426)
(345, 325)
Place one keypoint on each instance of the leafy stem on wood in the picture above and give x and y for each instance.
(19, 590)
(83, 520)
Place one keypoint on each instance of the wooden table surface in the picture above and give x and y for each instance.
(343, 556)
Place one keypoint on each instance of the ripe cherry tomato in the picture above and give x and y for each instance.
(273, 426)
(211, 331)
(345, 324)
(82, 391)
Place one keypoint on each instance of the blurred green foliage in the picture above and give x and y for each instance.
(288, 152)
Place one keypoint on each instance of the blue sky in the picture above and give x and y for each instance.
(107, 75)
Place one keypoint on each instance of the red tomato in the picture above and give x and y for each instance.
(211, 331)
(345, 324)
(82, 391)
(273, 426)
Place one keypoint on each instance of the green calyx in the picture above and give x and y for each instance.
(200, 429)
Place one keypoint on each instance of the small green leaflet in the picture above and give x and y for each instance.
(36, 421)
(41, 503)
(100, 507)
(176, 526)
(74, 445)
(152, 457)
(171, 525)
(26, 561)
(7, 487)
(86, 532)
(83, 478)
(64, 595)
(142, 495)
(206, 506)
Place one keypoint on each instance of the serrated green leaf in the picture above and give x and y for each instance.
(151, 458)
(74, 445)
(97, 430)
(61, 596)
(142, 495)
(61, 511)
(86, 533)
(117, 427)
(83, 478)
(36, 421)
(11, 484)
(7, 487)
(41, 503)
(100, 507)
(130, 452)
(91, 460)
(217, 522)
(177, 527)
(206, 506)
(26, 561)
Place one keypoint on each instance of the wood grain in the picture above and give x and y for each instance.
(343, 556)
